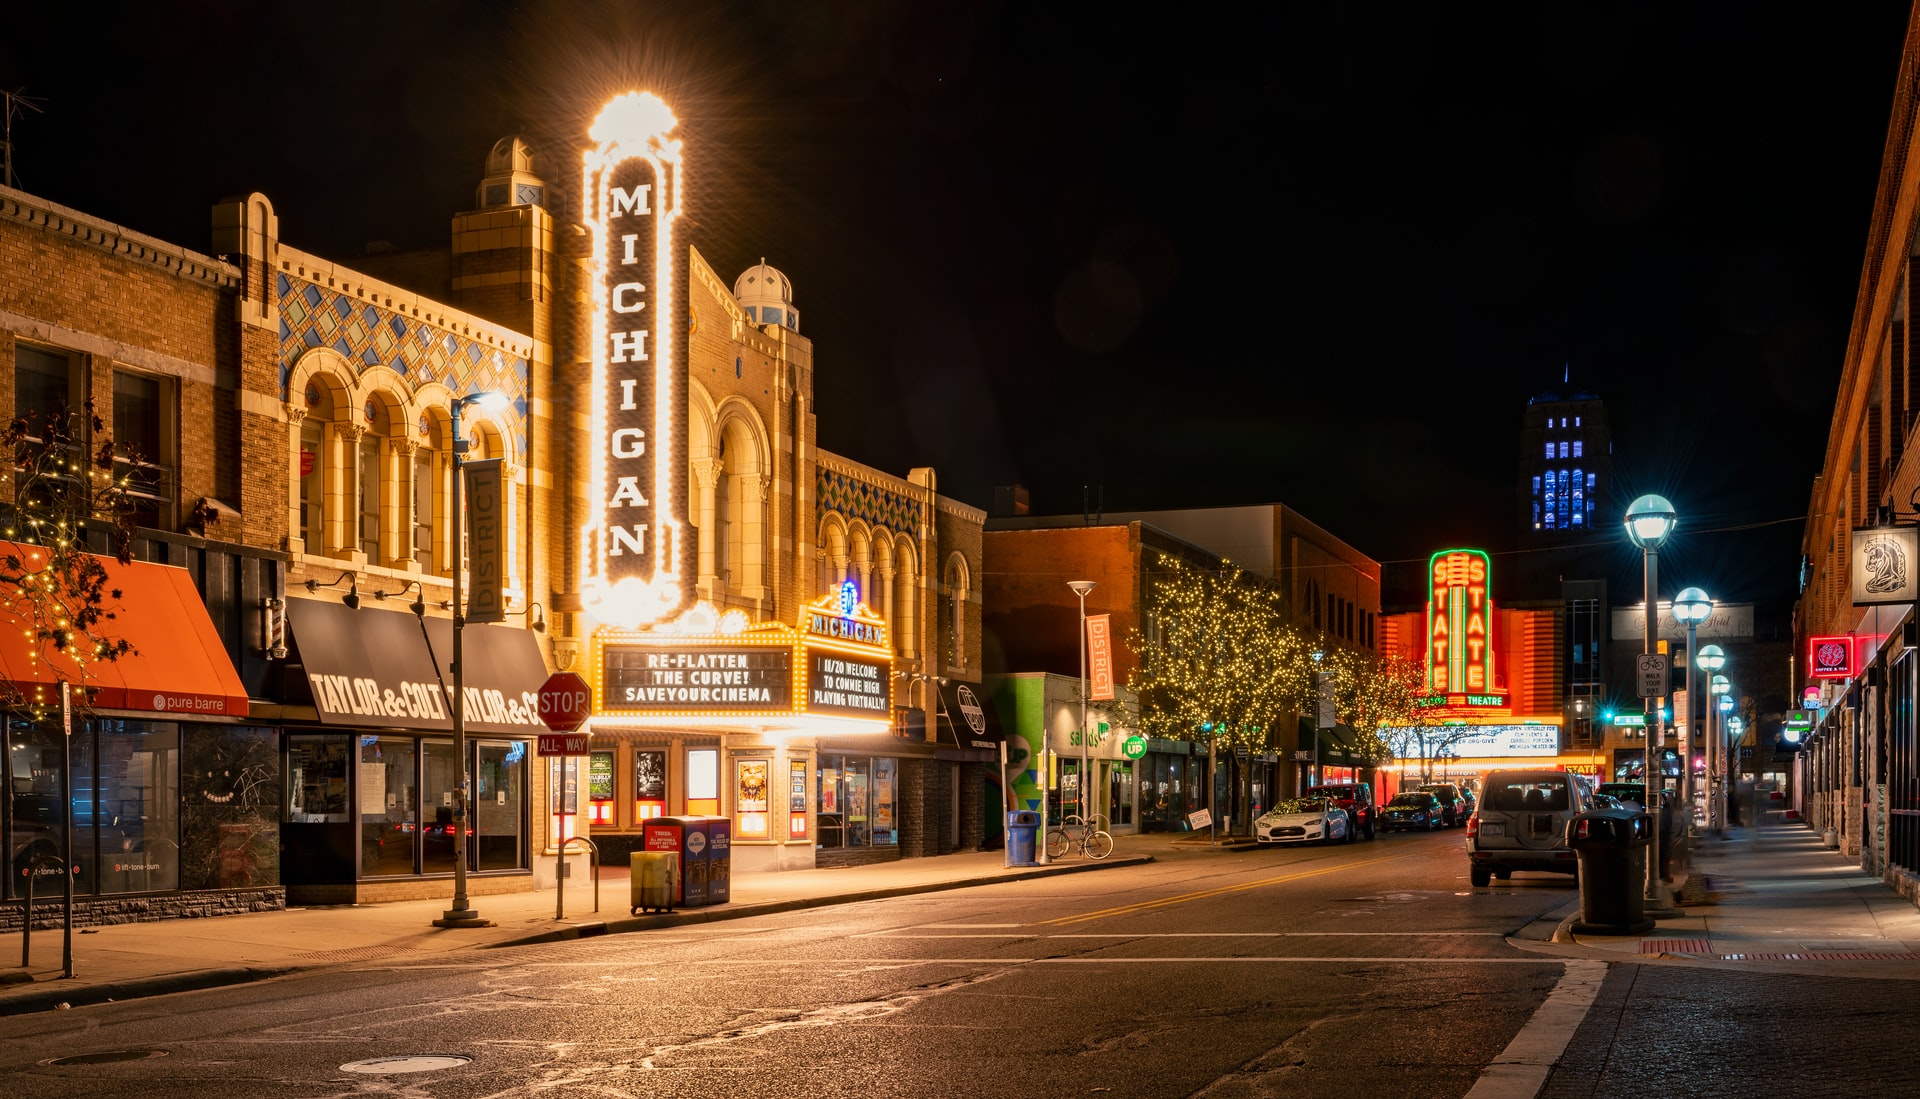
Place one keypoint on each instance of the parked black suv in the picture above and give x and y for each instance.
(1356, 798)
(1456, 804)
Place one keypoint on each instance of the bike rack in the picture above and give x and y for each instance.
(560, 883)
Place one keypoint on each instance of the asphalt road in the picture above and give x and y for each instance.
(1362, 970)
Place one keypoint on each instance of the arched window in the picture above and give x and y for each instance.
(958, 583)
(906, 580)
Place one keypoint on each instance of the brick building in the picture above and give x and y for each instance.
(296, 417)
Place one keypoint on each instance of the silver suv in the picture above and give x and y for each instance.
(1521, 824)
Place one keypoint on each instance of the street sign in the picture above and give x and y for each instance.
(1630, 719)
(563, 744)
(565, 703)
(1650, 671)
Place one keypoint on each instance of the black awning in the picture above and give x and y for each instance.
(966, 718)
(375, 669)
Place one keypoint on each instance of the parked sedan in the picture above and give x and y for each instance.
(1414, 809)
(1305, 820)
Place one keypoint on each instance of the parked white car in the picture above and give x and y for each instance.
(1305, 820)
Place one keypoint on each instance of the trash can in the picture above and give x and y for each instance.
(668, 835)
(1023, 825)
(1611, 845)
(655, 884)
(719, 859)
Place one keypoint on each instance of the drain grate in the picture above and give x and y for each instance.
(1824, 956)
(106, 1057)
(1676, 946)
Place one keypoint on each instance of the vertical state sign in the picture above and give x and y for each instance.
(635, 560)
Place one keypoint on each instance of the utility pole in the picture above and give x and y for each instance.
(11, 103)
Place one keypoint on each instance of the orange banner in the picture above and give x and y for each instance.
(1100, 656)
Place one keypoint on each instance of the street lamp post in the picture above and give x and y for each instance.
(1081, 588)
(1313, 773)
(1650, 519)
(460, 913)
(1717, 782)
(1736, 730)
(1710, 660)
(1691, 606)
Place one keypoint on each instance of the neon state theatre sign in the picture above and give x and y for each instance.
(636, 561)
(1460, 624)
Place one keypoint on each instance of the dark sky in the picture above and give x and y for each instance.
(1186, 255)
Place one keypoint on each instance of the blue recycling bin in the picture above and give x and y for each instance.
(1023, 827)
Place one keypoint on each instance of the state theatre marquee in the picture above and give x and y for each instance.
(836, 664)
(1479, 741)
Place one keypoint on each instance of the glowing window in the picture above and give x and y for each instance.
(1536, 485)
(1590, 482)
(1576, 448)
(1549, 449)
(1576, 421)
(1563, 450)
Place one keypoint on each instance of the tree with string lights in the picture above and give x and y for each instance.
(67, 488)
(1371, 692)
(1219, 664)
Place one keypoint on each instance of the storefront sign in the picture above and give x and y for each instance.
(373, 669)
(733, 680)
(839, 684)
(636, 562)
(1885, 565)
(1830, 657)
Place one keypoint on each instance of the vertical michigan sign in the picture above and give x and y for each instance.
(635, 562)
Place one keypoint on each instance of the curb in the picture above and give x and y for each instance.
(60, 993)
(596, 928)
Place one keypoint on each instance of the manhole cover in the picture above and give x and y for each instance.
(106, 1057)
(412, 1062)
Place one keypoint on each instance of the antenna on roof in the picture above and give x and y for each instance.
(12, 103)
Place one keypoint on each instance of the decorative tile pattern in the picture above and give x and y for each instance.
(368, 335)
(860, 500)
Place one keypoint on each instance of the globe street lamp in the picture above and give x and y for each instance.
(1691, 607)
(1081, 588)
(460, 913)
(1710, 659)
(1716, 786)
(1650, 519)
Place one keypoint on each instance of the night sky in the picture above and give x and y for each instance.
(1181, 255)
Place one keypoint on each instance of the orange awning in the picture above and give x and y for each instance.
(178, 665)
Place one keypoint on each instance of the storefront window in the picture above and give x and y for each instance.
(317, 779)
(600, 799)
(500, 785)
(1120, 795)
(441, 785)
(797, 800)
(649, 785)
(750, 798)
(35, 789)
(703, 781)
(389, 805)
(857, 797)
(563, 795)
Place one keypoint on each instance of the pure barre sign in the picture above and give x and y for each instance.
(636, 560)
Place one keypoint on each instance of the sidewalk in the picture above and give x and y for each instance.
(125, 961)
(1768, 892)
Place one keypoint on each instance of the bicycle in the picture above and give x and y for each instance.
(1094, 841)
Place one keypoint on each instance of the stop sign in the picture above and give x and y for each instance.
(565, 702)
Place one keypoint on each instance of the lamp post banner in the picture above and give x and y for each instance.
(486, 539)
(1100, 655)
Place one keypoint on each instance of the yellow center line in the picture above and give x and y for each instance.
(1142, 906)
